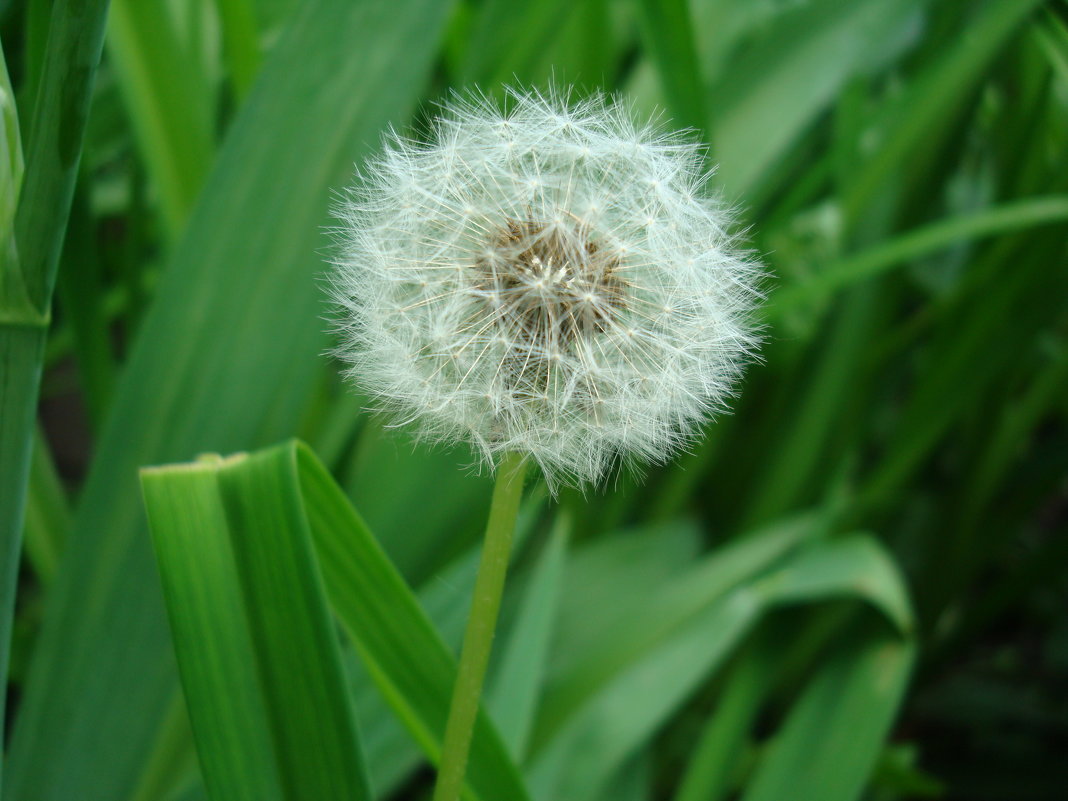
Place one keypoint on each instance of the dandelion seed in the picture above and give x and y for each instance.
(550, 279)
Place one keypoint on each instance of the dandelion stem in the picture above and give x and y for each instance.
(478, 638)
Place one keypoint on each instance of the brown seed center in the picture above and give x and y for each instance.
(548, 285)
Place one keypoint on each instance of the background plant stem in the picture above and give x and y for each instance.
(28, 271)
(478, 637)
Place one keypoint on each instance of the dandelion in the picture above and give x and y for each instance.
(549, 279)
(549, 282)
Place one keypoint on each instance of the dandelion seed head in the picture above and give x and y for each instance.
(551, 278)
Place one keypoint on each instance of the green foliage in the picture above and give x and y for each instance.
(733, 625)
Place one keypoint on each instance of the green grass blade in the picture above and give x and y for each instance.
(1003, 444)
(668, 33)
(916, 244)
(79, 292)
(419, 538)
(615, 716)
(765, 100)
(29, 259)
(716, 753)
(224, 360)
(633, 783)
(505, 39)
(911, 130)
(297, 658)
(241, 42)
(173, 764)
(513, 696)
(918, 121)
(48, 515)
(169, 101)
(396, 642)
(828, 745)
(660, 616)
(244, 594)
(856, 566)
(12, 165)
(624, 713)
(214, 648)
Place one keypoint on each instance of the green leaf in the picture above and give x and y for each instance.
(169, 99)
(720, 746)
(506, 38)
(684, 633)
(11, 162)
(765, 99)
(238, 569)
(828, 745)
(211, 634)
(296, 646)
(917, 243)
(856, 566)
(47, 512)
(638, 698)
(241, 44)
(28, 260)
(917, 121)
(659, 618)
(396, 642)
(669, 38)
(173, 766)
(225, 360)
(418, 537)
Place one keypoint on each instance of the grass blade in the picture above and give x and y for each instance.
(763, 101)
(241, 43)
(917, 243)
(659, 618)
(396, 642)
(623, 714)
(615, 716)
(169, 101)
(828, 745)
(856, 566)
(932, 102)
(47, 512)
(295, 641)
(224, 360)
(668, 33)
(721, 744)
(29, 260)
(212, 641)
(506, 38)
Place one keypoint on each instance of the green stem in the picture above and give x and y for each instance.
(28, 271)
(478, 638)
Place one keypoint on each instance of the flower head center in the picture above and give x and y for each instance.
(549, 284)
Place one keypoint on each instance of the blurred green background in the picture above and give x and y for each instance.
(901, 166)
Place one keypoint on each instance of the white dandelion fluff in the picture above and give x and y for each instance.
(549, 278)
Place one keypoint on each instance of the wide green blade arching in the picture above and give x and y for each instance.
(210, 631)
(225, 360)
(295, 641)
(395, 640)
(258, 651)
(611, 720)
